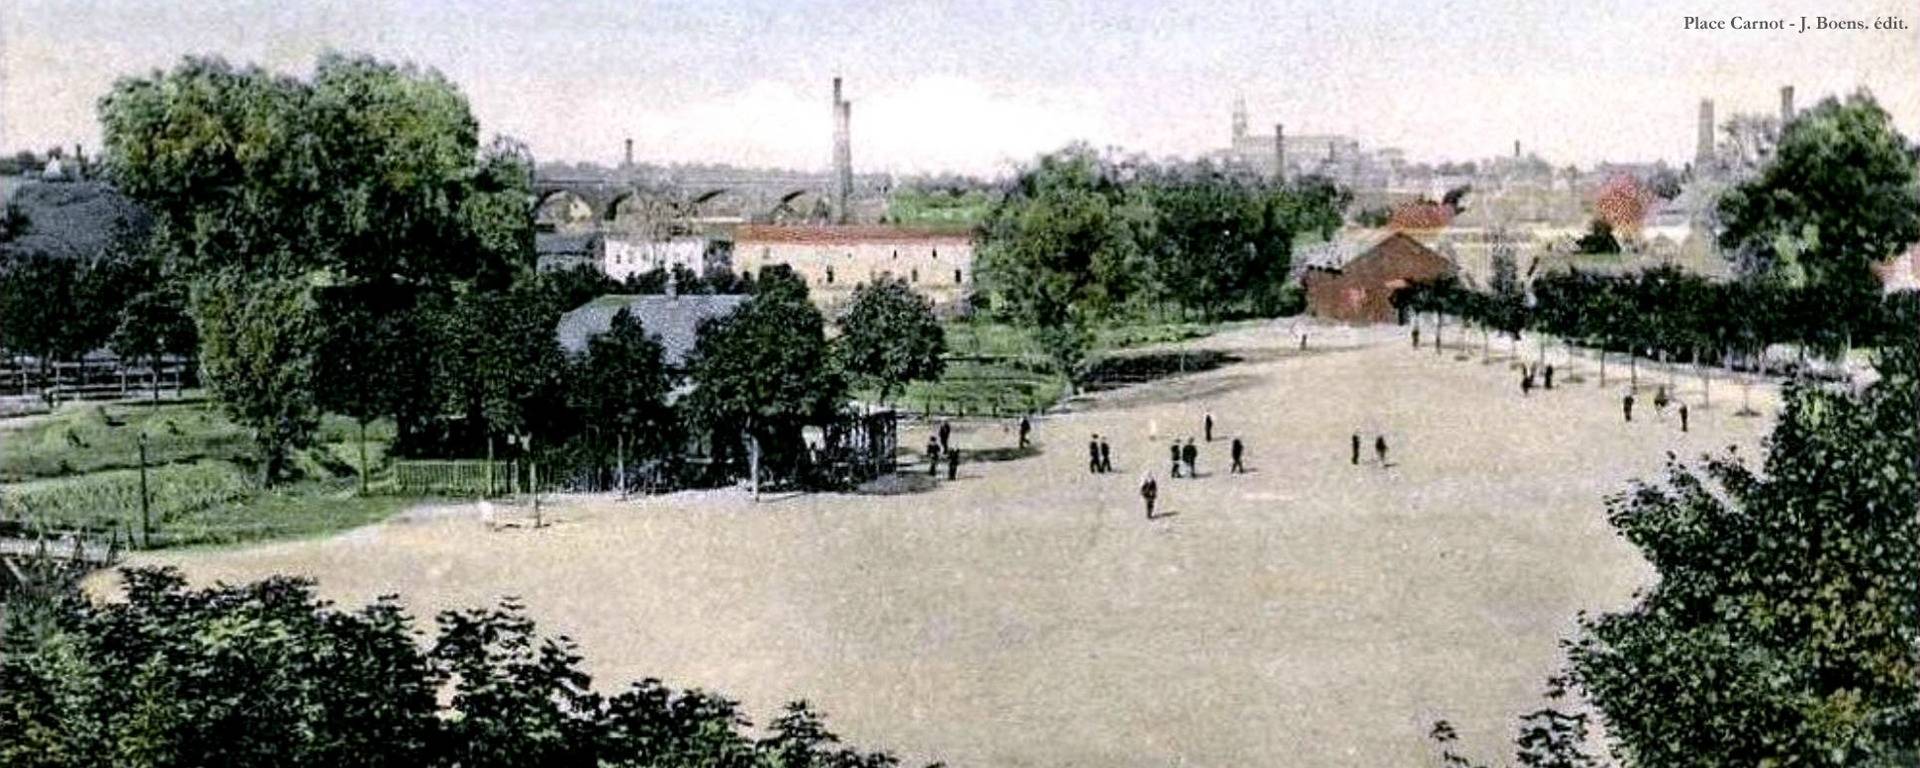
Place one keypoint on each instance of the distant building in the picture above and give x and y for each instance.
(563, 251)
(624, 257)
(834, 259)
(1900, 273)
(673, 320)
(1353, 281)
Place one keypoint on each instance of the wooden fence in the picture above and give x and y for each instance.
(460, 477)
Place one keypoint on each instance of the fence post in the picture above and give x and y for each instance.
(146, 520)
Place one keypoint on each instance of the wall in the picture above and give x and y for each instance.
(833, 262)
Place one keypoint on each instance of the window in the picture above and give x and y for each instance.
(956, 277)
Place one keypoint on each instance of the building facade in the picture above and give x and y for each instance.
(834, 259)
(1355, 283)
(624, 257)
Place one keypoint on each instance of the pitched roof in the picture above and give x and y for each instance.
(1334, 254)
(557, 244)
(845, 235)
(673, 320)
(73, 219)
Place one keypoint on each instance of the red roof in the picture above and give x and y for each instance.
(844, 235)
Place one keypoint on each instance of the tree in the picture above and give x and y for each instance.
(1058, 250)
(1623, 204)
(37, 307)
(889, 336)
(621, 386)
(766, 369)
(154, 325)
(257, 350)
(1785, 626)
(1598, 239)
(1840, 194)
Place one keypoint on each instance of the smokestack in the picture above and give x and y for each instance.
(1703, 152)
(1516, 149)
(629, 161)
(842, 154)
(1786, 105)
(1280, 153)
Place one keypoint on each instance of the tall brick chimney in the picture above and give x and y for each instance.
(1280, 153)
(1786, 105)
(629, 161)
(842, 154)
(1703, 153)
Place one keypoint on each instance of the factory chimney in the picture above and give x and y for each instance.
(1516, 149)
(1279, 153)
(1703, 153)
(1786, 106)
(629, 161)
(842, 154)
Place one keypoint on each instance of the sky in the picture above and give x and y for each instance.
(978, 87)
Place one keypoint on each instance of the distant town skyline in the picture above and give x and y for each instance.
(981, 87)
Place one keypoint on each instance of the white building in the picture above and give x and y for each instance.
(624, 258)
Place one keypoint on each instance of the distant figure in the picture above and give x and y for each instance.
(1174, 451)
(946, 433)
(1093, 454)
(486, 515)
(1356, 450)
(1026, 428)
(1660, 400)
(1683, 417)
(1303, 342)
(933, 457)
(953, 463)
(1209, 426)
(1106, 456)
(1549, 376)
(1380, 449)
(1416, 337)
(1191, 455)
(1526, 382)
(1149, 490)
(1239, 451)
(1626, 406)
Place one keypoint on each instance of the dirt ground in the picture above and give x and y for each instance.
(1307, 613)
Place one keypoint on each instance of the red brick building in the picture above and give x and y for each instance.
(1354, 281)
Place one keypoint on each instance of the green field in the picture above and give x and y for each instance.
(77, 469)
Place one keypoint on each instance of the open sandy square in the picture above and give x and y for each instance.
(1308, 613)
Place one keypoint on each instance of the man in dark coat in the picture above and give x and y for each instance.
(1149, 490)
(1683, 417)
(1626, 406)
(1190, 455)
(946, 434)
(1093, 454)
(1239, 452)
(1549, 376)
(933, 457)
(1209, 426)
(1356, 450)
(1106, 456)
(1026, 428)
(953, 463)
(1174, 451)
(1380, 449)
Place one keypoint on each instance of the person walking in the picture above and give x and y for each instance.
(946, 433)
(1239, 452)
(1208, 424)
(1192, 456)
(1106, 456)
(1549, 376)
(1683, 417)
(1026, 428)
(953, 463)
(1093, 455)
(1526, 382)
(1626, 406)
(1149, 491)
(1660, 401)
(1356, 450)
(933, 457)
(1416, 337)
(1380, 449)
(1174, 451)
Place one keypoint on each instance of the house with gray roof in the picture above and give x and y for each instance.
(674, 320)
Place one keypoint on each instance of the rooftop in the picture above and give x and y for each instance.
(673, 320)
(847, 235)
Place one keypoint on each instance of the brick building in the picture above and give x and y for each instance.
(834, 259)
(1353, 281)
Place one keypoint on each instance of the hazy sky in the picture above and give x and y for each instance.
(980, 85)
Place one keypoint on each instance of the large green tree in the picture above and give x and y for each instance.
(621, 388)
(889, 337)
(257, 339)
(1840, 194)
(766, 370)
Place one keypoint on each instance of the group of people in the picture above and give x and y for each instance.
(1379, 449)
(1529, 373)
(940, 445)
(1184, 453)
(1660, 403)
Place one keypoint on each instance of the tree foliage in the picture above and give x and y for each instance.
(266, 674)
(257, 343)
(621, 385)
(888, 336)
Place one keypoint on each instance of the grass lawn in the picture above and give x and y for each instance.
(77, 470)
(998, 368)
